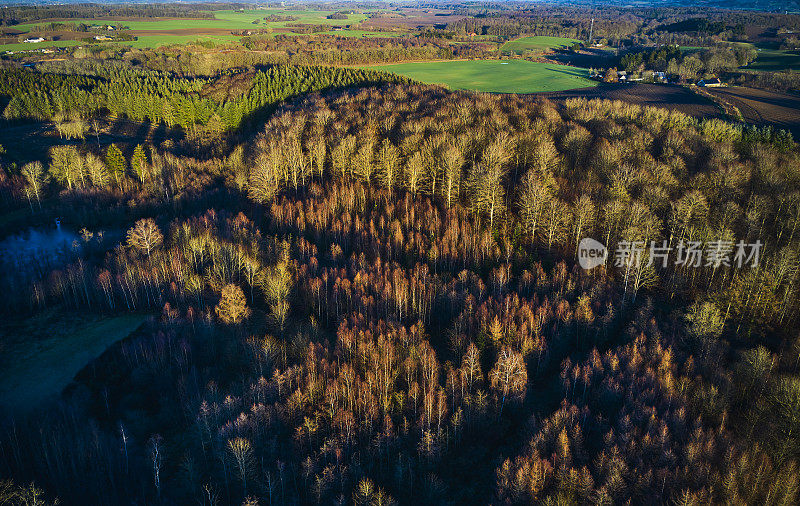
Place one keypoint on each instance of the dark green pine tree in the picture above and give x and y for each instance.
(115, 161)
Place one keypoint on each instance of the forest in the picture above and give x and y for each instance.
(163, 98)
(355, 307)
(359, 289)
(12, 14)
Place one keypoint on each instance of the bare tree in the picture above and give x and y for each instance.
(453, 160)
(277, 285)
(388, 163)
(35, 177)
(583, 216)
(156, 451)
(66, 165)
(414, 172)
(242, 453)
(471, 366)
(96, 170)
(145, 235)
(509, 376)
(532, 201)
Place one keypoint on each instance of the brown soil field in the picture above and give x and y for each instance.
(758, 107)
(55, 35)
(656, 95)
(413, 18)
(762, 107)
(104, 18)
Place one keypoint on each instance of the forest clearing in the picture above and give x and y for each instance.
(55, 347)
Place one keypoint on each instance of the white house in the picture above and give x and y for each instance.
(32, 40)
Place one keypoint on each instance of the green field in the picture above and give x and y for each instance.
(41, 45)
(150, 41)
(776, 60)
(244, 19)
(40, 355)
(537, 43)
(498, 76)
(769, 59)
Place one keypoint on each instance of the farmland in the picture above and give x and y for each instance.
(165, 31)
(496, 76)
(537, 44)
(676, 98)
(776, 60)
(762, 107)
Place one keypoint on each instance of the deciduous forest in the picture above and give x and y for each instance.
(360, 289)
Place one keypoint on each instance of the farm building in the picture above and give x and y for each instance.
(710, 83)
(33, 40)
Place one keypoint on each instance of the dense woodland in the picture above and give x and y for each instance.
(355, 304)
(362, 290)
(222, 103)
(18, 14)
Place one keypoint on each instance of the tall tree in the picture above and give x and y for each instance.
(139, 163)
(388, 165)
(66, 166)
(232, 306)
(144, 235)
(509, 376)
(453, 160)
(115, 161)
(242, 452)
(35, 177)
(533, 201)
(96, 170)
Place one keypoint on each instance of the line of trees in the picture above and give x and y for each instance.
(18, 14)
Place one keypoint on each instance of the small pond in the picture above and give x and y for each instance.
(39, 249)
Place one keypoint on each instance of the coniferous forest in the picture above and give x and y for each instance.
(350, 287)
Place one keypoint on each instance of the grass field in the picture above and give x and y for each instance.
(245, 18)
(537, 43)
(41, 355)
(776, 60)
(41, 45)
(510, 76)
(149, 41)
(769, 58)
